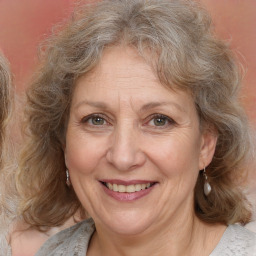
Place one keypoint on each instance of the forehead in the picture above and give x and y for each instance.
(124, 75)
(120, 68)
(124, 63)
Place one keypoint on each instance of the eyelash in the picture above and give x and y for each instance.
(168, 121)
(86, 119)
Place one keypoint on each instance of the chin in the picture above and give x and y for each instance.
(128, 229)
(129, 223)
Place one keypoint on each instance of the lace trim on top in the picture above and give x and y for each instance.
(236, 241)
(74, 241)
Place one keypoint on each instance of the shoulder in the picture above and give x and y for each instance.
(70, 240)
(4, 246)
(251, 226)
(25, 241)
(236, 241)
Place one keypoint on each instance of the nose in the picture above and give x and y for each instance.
(125, 152)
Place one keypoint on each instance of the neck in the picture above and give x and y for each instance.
(184, 235)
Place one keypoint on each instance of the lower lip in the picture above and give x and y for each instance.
(126, 197)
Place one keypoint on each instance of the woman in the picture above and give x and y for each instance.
(134, 118)
(6, 98)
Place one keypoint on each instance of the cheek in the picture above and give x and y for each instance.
(83, 154)
(175, 156)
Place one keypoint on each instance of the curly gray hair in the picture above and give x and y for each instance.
(175, 37)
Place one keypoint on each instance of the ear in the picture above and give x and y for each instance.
(207, 147)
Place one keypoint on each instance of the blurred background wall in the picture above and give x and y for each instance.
(23, 24)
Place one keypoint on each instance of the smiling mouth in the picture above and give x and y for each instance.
(129, 188)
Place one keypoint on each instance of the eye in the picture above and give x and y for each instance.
(94, 120)
(160, 120)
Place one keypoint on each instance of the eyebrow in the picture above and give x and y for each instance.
(148, 106)
(159, 104)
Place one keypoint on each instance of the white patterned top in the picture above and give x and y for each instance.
(236, 241)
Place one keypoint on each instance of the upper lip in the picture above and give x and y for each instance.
(126, 182)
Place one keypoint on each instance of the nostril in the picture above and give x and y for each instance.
(124, 152)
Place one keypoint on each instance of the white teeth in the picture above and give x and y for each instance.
(127, 189)
(130, 188)
(115, 187)
(121, 188)
(138, 187)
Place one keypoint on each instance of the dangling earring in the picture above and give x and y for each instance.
(207, 186)
(67, 179)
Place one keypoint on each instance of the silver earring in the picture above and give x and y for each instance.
(67, 178)
(207, 186)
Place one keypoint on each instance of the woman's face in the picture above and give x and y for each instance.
(133, 147)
